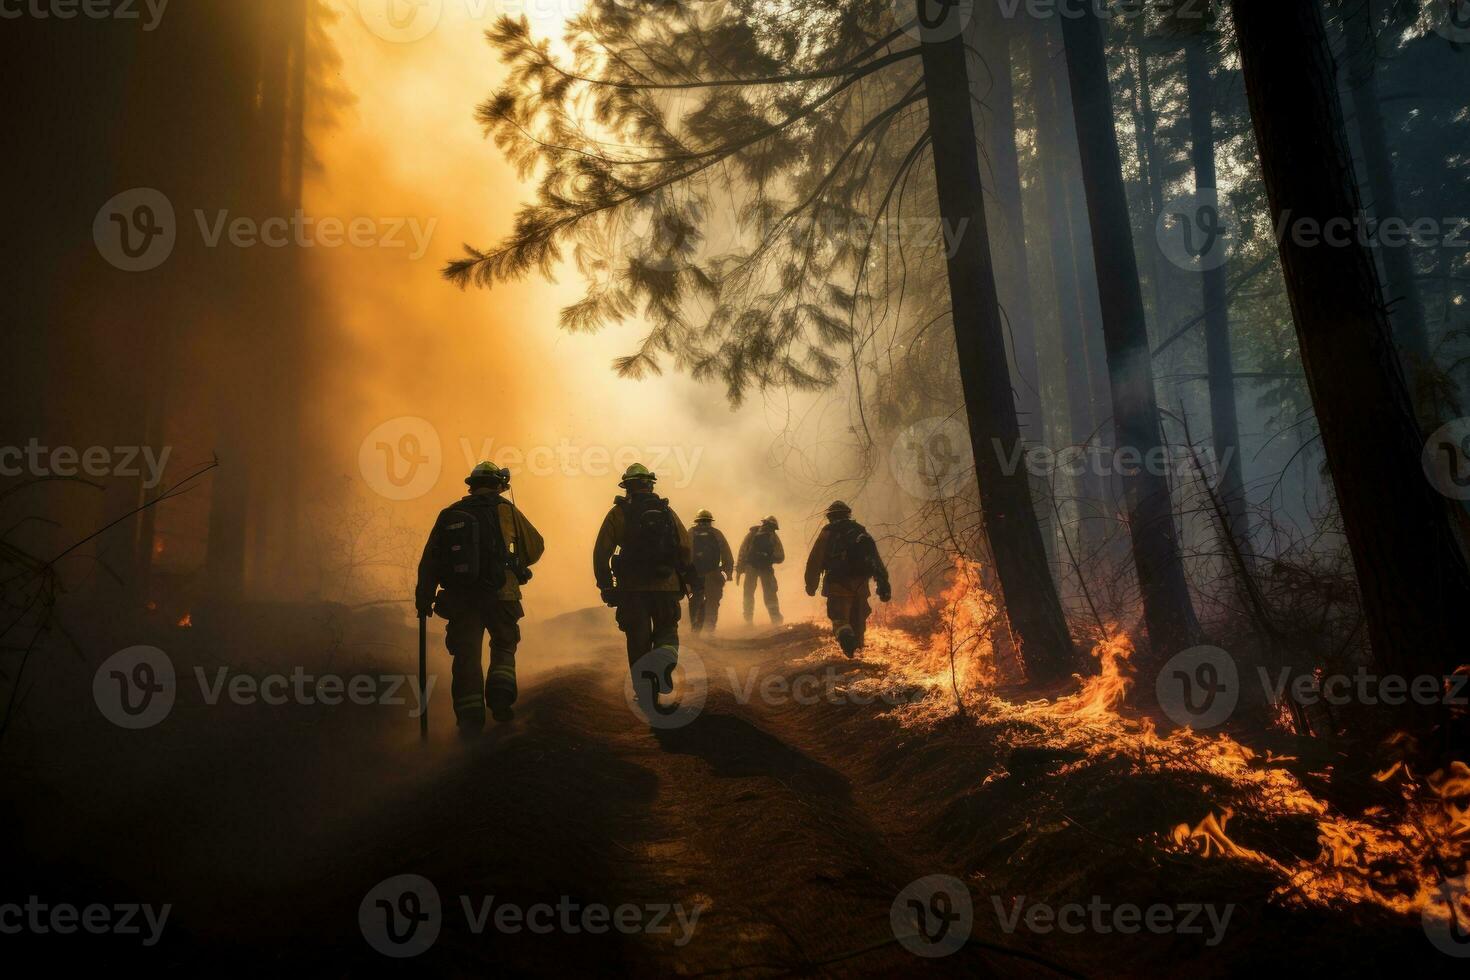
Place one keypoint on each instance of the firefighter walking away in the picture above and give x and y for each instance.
(760, 553)
(480, 551)
(714, 565)
(642, 564)
(844, 559)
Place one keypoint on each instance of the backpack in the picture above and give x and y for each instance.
(650, 540)
(469, 547)
(707, 556)
(850, 551)
(762, 548)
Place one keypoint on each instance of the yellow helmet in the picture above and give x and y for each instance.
(488, 474)
(704, 515)
(637, 473)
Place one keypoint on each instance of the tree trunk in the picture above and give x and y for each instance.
(1083, 416)
(1167, 611)
(1398, 262)
(1008, 240)
(1145, 126)
(1030, 595)
(1219, 363)
(1412, 576)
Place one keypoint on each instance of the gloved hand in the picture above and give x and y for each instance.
(811, 590)
(610, 597)
(885, 592)
(424, 607)
(523, 575)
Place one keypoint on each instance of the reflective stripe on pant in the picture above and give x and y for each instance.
(648, 620)
(464, 636)
(767, 579)
(704, 608)
(851, 613)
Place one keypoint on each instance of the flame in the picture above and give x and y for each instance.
(1395, 857)
(1210, 839)
(187, 621)
(956, 660)
(1103, 693)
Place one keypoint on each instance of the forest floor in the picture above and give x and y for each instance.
(772, 834)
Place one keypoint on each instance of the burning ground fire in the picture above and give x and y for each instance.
(1394, 857)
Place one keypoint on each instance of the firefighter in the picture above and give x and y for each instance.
(481, 551)
(760, 553)
(844, 557)
(715, 565)
(643, 566)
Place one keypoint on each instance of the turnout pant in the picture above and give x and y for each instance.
(704, 607)
(767, 579)
(849, 615)
(469, 620)
(650, 622)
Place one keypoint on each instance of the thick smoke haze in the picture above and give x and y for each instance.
(492, 370)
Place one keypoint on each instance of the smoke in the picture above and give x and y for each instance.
(490, 374)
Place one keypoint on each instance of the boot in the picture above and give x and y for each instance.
(500, 708)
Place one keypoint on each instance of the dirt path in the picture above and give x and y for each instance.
(729, 814)
(767, 836)
(727, 846)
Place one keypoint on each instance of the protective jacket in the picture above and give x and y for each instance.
(761, 548)
(844, 559)
(614, 535)
(523, 548)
